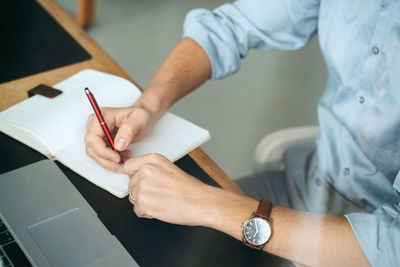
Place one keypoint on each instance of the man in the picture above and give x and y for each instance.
(358, 151)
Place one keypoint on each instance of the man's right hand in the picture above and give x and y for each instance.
(128, 124)
(185, 69)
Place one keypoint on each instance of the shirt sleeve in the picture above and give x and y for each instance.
(378, 234)
(228, 32)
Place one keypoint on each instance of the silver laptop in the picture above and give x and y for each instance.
(45, 221)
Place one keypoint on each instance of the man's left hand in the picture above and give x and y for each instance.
(159, 189)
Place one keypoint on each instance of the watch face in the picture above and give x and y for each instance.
(257, 231)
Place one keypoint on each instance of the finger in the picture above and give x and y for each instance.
(125, 135)
(94, 140)
(130, 185)
(93, 124)
(133, 165)
(131, 128)
(107, 164)
(132, 198)
(140, 213)
(99, 147)
(133, 190)
(133, 183)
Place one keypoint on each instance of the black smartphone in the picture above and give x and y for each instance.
(44, 90)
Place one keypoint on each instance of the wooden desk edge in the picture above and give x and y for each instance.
(214, 171)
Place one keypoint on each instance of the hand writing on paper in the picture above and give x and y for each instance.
(130, 124)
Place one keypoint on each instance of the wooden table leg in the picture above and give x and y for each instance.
(85, 13)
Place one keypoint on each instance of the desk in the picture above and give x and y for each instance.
(150, 242)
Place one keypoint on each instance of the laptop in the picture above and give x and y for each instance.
(45, 221)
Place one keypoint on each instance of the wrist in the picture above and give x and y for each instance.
(152, 103)
(227, 211)
(160, 96)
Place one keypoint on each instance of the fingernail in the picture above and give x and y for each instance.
(120, 144)
(114, 159)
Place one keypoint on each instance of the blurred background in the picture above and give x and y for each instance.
(272, 90)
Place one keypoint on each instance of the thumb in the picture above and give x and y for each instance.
(126, 133)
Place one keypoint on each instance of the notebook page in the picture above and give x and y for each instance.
(172, 136)
(59, 121)
(26, 137)
(31, 116)
(74, 157)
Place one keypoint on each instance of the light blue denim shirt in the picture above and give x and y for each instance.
(359, 113)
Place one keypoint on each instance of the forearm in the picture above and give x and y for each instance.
(185, 69)
(314, 239)
(302, 237)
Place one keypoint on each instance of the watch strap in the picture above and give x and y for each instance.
(264, 209)
(252, 246)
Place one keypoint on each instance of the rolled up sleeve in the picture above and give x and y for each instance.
(231, 30)
(378, 234)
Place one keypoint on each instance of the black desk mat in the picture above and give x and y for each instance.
(33, 42)
(150, 242)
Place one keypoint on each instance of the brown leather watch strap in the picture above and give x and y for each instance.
(264, 209)
(252, 246)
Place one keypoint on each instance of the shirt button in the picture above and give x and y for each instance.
(375, 50)
(346, 171)
(361, 99)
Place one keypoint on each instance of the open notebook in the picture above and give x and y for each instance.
(56, 127)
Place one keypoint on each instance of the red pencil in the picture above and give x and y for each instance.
(102, 122)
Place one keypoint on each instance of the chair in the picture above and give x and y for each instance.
(269, 152)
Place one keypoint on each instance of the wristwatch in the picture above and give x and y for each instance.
(257, 230)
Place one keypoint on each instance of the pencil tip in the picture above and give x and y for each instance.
(87, 90)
